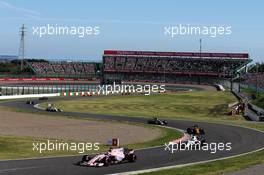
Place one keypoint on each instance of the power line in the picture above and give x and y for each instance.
(200, 46)
(21, 52)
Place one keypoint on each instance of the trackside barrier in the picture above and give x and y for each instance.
(87, 93)
(256, 109)
(253, 116)
(28, 96)
(65, 94)
(253, 112)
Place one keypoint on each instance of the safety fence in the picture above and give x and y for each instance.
(252, 111)
(6, 90)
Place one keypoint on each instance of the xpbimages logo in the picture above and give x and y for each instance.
(193, 146)
(55, 145)
(56, 30)
(193, 30)
(126, 88)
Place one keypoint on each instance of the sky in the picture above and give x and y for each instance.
(130, 25)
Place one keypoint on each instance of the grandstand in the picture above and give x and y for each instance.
(64, 69)
(118, 66)
(171, 66)
(127, 66)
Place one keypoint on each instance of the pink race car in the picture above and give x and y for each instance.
(113, 156)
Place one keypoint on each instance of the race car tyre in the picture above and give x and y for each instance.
(86, 158)
(81, 163)
(132, 158)
(106, 161)
(190, 131)
(164, 122)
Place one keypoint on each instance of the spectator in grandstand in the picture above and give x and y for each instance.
(63, 68)
(173, 65)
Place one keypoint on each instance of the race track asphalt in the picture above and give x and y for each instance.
(243, 140)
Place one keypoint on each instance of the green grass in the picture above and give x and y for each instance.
(14, 147)
(216, 167)
(259, 101)
(195, 106)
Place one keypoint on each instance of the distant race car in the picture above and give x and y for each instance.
(197, 137)
(113, 156)
(52, 108)
(195, 130)
(30, 102)
(157, 121)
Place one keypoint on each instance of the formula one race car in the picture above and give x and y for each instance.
(113, 156)
(52, 108)
(195, 130)
(157, 121)
(197, 137)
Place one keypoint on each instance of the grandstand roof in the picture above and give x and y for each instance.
(178, 54)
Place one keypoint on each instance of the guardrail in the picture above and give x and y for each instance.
(253, 112)
(259, 112)
(8, 97)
